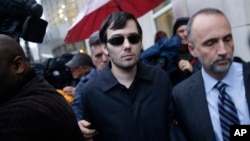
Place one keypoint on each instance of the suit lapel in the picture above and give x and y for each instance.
(200, 106)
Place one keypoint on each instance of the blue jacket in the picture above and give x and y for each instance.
(77, 103)
(164, 49)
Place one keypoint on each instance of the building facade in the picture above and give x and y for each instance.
(61, 13)
(237, 11)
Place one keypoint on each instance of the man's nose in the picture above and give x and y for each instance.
(185, 32)
(221, 48)
(127, 44)
(105, 58)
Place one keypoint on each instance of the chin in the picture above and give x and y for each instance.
(184, 42)
(128, 65)
(222, 69)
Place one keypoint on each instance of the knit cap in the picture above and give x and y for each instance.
(179, 22)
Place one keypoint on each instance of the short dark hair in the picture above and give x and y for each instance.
(118, 21)
(94, 39)
(206, 11)
(159, 35)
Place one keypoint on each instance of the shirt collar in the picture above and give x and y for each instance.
(209, 81)
(228, 79)
(109, 80)
(233, 74)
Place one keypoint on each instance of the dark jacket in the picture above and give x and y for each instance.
(163, 54)
(137, 113)
(77, 102)
(37, 113)
(191, 109)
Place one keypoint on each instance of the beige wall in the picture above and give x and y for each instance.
(237, 12)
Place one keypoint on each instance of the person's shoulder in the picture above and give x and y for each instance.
(38, 112)
(96, 76)
(151, 69)
(246, 67)
(239, 63)
(36, 103)
(246, 64)
(105, 73)
(39, 91)
(95, 81)
(153, 73)
(183, 88)
(188, 82)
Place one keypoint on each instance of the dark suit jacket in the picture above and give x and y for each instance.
(191, 109)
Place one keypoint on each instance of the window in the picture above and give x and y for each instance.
(162, 5)
(163, 17)
(164, 23)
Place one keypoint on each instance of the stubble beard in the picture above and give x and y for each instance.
(216, 68)
(126, 65)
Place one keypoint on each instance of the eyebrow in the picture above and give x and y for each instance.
(216, 38)
(99, 54)
(228, 35)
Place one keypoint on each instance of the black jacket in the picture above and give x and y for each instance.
(37, 113)
(137, 113)
(191, 108)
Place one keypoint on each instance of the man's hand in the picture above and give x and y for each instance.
(69, 90)
(185, 65)
(87, 133)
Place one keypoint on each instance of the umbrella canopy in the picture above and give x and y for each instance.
(92, 15)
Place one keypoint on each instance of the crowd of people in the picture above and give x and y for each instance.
(180, 89)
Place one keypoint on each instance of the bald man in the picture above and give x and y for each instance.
(30, 109)
(218, 95)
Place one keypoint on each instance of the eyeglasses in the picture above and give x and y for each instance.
(118, 40)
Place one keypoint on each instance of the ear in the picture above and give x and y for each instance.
(19, 65)
(192, 49)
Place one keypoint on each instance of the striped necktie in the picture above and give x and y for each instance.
(227, 111)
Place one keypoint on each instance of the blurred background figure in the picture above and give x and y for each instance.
(187, 64)
(159, 35)
(58, 74)
(180, 28)
(21, 18)
(163, 53)
(99, 59)
(80, 66)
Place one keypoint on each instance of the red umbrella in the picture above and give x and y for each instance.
(91, 16)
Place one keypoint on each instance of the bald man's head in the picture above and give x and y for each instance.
(9, 48)
(13, 65)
